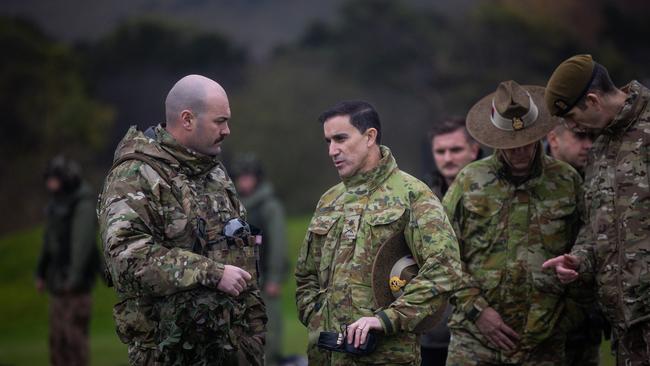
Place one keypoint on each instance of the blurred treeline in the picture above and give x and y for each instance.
(414, 64)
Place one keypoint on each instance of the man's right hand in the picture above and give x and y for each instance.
(233, 280)
(495, 330)
(566, 267)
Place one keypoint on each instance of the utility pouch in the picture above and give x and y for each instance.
(337, 342)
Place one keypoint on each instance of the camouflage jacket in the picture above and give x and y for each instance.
(506, 232)
(615, 243)
(333, 271)
(163, 244)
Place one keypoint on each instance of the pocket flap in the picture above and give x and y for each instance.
(483, 205)
(322, 223)
(385, 216)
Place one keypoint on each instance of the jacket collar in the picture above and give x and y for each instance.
(367, 182)
(637, 98)
(190, 162)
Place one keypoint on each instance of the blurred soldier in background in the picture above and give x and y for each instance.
(265, 211)
(452, 147)
(69, 261)
(583, 342)
(570, 146)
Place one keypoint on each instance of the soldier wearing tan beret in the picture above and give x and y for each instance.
(613, 248)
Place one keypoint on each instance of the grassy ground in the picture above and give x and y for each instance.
(23, 312)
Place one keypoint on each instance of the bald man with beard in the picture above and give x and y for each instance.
(181, 256)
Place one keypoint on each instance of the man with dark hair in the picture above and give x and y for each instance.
(614, 244)
(374, 203)
(181, 255)
(452, 147)
(69, 260)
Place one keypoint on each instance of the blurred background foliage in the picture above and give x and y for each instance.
(416, 62)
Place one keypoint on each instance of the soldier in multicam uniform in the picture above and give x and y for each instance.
(452, 148)
(374, 202)
(186, 282)
(511, 212)
(614, 245)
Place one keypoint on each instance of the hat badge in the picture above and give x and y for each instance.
(396, 283)
(517, 124)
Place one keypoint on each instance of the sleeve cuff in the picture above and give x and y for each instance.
(212, 275)
(477, 308)
(386, 322)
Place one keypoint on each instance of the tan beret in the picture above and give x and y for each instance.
(568, 84)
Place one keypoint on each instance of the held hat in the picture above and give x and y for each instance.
(513, 116)
(392, 270)
(569, 83)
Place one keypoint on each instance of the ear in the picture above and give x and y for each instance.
(593, 99)
(187, 118)
(474, 148)
(551, 137)
(371, 133)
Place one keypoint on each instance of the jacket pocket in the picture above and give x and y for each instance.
(381, 226)
(558, 225)
(134, 323)
(323, 243)
(481, 224)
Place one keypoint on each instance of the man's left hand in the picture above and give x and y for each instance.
(358, 331)
(272, 289)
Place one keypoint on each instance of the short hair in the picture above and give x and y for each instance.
(449, 125)
(362, 115)
(601, 83)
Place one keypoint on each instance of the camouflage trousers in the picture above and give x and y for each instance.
(69, 321)
(467, 350)
(151, 357)
(633, 347)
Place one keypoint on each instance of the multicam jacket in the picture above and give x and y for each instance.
(506, 231)
(615, 243)
(333, 271)
(161, 224)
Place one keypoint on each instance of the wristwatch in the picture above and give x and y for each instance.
(477, 307)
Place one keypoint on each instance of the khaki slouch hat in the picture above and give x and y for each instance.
(513, 116)
(569, 83)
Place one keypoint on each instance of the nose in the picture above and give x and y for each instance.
(333, 149)
(447, 155)
(226, 129)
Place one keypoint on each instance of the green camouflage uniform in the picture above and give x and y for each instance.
(615, 243)
(506, 231)
(161, 224)
(333, 271)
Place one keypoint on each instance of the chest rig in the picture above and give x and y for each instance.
(209, 205)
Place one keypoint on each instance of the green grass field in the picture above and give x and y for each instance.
(23, 312)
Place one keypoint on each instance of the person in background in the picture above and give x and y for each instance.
(583, 342)
(452, 147)
(69, 261)
(266, 212)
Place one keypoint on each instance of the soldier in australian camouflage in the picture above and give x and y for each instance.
(614, 245)
(374, 202)
(188, 293)
(511, 212)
